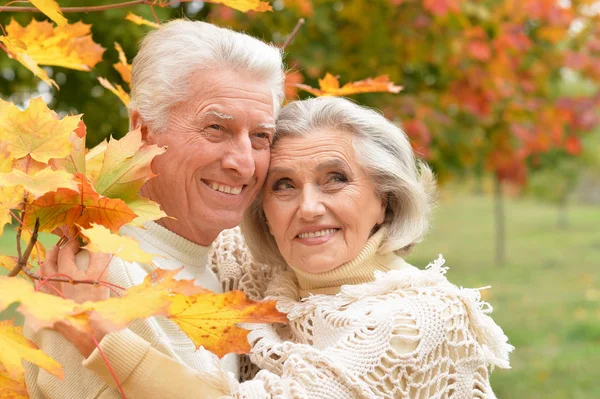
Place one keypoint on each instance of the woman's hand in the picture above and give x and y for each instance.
(82, 266)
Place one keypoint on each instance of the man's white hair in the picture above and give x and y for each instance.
(170, 55)
(382, 148)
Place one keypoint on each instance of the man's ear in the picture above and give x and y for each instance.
(138, 123)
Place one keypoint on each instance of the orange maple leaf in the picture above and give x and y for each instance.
(244, 5)
(136, 19)
(123, 67)
(82, 207)
(210, 319)
(40, 43)
(14, 348)
(330, 86)
(117, 90)
(11, 388)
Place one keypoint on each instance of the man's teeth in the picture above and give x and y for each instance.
(226, 189)
(319, 233)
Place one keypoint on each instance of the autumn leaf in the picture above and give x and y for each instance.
(122, 66)
(40, 182)
(41, 310)
(75, 161)
(126, 166)
(14, 348)
(93, 161)
(117, 90)
(10, 198)
(136, 19)
(8, 262)
(41, 43)
(146, 210)
(210, 319)
(330, 86)
(245, 5)
(83, 207)
(37, 131)
(10, 388)
(51, 9)
(126, 248)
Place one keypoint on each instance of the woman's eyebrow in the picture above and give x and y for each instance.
(333, 164)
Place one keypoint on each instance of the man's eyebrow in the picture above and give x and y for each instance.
(266, 125)
(278, 170)
(219, 115)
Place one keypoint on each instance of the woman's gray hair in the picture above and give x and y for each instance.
(170, 55)
(382, 148)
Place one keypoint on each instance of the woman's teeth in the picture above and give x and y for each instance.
(225, 189)
(319, 233)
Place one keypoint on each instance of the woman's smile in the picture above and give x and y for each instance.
(316, 236)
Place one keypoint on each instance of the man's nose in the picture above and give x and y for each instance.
(311, 206)
(240, 158)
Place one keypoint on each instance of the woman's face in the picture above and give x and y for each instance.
(320, 204)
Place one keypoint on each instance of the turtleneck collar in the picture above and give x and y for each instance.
(359, 270)
(175, 246)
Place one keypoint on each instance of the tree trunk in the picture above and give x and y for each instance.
(500, 223)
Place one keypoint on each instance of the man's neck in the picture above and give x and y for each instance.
(189, 231)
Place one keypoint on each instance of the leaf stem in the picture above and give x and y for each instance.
(23, 259)
(110, 369)
(80, 9)
(294, 31)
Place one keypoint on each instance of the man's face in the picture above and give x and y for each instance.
(218, 154)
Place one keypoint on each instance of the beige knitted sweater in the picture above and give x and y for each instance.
(401, 333)
(162, 334)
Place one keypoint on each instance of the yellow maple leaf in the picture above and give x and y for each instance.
(36, 131)
(6, 159)
(210, 319)
(75, 161)
(39, 183)
(51, 9)
(41, 310)
(122, 66)
(126, 248)
(8, 262)
(11, 388)
(14, 348)
(244, 5)
(93, 161)
(117, 90)
(10, 198)
(136, 19)
(146, 210)
(41, 43)
(330, 86)
(126, 166)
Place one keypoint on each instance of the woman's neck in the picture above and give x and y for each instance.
(359, 270)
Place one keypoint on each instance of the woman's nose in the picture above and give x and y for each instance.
(311, 206)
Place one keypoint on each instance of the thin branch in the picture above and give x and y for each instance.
(291, 36)
(155, 16)
(67, 279)
(23, 259)
(110, 369)
(82, 9)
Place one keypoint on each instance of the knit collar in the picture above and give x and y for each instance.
(171, 244)
(359, 270)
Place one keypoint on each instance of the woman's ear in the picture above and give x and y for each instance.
(138, 123)
(384, 204)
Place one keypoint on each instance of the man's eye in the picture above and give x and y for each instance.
(215, 127)
(282, 184)
(263, 136)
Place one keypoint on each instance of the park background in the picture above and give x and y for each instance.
(500, 97)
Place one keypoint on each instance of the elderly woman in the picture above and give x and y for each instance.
(344, 199)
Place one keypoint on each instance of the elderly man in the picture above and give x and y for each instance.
(211, 96)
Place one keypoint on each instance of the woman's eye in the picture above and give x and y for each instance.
(338, 178)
